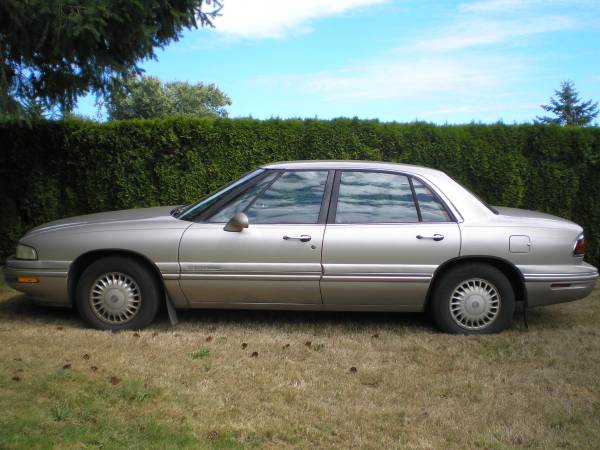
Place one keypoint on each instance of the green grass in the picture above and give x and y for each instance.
(62, 408)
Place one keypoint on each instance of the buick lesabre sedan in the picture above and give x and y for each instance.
(320, 235)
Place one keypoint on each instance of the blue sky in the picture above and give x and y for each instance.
(394, 60)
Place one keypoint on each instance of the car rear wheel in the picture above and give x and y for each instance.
(473, 299)
(118, 293)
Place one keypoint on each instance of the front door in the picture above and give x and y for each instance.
(387, 234)
(277, 259)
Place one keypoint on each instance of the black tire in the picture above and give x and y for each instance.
(445, 288)
(137, 278)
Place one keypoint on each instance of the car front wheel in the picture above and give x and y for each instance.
(117, 293)
(473, 299)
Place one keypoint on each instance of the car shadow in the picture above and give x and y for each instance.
(299, 319)
(18, 308)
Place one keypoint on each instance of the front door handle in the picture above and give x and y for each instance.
(301, 238)
(435, 237)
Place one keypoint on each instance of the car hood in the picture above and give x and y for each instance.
(126, 218)
(515, 214)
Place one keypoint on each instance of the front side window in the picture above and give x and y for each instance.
(294, 197)
(190, 212)
(375, 197)
(241, 202)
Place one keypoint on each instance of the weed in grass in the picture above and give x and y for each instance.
(325, 428)
(60, 411)
(199, 354)
(136, 391)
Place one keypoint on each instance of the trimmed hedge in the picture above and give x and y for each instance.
(50, 170)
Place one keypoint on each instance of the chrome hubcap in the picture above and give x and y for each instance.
(474, 304)
(115, 298)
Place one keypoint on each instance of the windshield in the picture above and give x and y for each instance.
(191, 211)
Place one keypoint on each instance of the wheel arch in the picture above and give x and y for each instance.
(511, 271)
(84, 260)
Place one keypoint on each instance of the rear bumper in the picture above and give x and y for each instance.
(51, 285)
(551, 288)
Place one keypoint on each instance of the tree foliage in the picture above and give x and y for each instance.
(568, 108)
(57, 50)
(148, 98)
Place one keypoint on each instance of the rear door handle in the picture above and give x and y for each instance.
(435, 237)
(301, 238)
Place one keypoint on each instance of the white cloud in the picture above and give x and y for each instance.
(512, 6)
(405, 77)
(500, 5)
(485, 22)
(402, 79)
(260, 19)
(480, 31)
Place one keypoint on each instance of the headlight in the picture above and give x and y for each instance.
(25, 252)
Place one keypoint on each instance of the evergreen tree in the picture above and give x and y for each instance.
(568, 108)
(56, 50)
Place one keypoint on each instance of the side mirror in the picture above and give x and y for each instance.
(237, 223)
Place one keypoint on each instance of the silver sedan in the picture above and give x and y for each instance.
(314, 235)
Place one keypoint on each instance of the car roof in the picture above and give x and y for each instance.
(341, 164)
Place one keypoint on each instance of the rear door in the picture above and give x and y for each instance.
(386, 235)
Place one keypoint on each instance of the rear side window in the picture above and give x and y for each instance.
(375, 197)
(430, 207)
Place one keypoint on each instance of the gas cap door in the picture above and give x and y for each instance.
(519, 244)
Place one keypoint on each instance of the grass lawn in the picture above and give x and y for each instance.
(235, 379)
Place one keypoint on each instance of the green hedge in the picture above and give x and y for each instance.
(50, 170)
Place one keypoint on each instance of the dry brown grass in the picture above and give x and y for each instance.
(196, 386)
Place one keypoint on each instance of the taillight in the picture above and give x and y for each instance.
(579, 249)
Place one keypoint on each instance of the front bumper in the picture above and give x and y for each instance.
(559, 287)
(51, 287)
